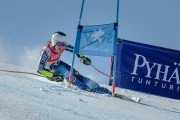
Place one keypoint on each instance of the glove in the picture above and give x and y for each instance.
(85, 60)
(51, 75)
(57, 77)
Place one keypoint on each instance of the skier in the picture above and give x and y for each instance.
(55, 69)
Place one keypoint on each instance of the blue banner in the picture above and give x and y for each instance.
(150, 69)
(97, 40)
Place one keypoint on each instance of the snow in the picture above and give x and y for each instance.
(27, 97)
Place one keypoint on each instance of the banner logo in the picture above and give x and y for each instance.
(96, 36)
(156, 74)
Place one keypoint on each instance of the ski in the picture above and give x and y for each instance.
(128, 98)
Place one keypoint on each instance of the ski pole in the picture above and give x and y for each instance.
(101, 72)
(88, 63)
(30, 73)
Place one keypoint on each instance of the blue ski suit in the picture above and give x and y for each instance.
(50, 61)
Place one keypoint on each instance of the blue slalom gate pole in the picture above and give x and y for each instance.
(82, 6)
(115, 51)
(72, 65)
(117, 12)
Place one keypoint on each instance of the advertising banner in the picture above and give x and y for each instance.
(150, 69)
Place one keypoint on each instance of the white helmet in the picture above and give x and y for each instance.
(58, 37)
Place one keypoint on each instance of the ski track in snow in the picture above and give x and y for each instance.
(27, 97)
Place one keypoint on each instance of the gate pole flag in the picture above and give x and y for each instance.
(97, 40)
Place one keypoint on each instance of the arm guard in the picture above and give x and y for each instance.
(42, 63)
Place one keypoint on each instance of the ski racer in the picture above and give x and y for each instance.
(55, 69)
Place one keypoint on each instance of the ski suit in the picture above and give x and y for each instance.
(50, 61)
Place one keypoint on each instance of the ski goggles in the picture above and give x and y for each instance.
(61, 44)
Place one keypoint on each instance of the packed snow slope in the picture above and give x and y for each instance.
(27, 97)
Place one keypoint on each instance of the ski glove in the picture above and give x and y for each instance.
(51, 76)
(57, 77)
(85, 60)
